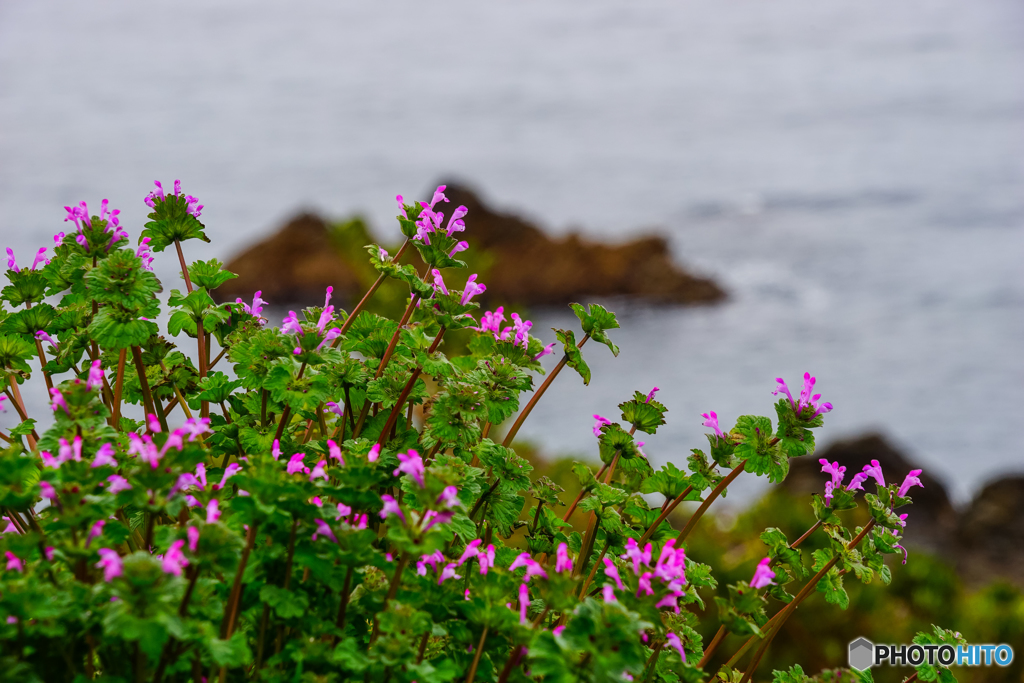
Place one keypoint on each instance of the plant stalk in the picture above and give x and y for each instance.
(708, 501)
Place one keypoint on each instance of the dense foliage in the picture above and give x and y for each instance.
(324, 501)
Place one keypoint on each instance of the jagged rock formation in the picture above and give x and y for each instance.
(519, 263)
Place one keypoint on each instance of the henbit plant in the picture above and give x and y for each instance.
(326, 513)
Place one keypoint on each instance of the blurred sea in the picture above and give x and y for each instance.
(851, 171)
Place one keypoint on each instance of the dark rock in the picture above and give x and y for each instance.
(295, 264)
(991, 532)
(515, 259)
(932, 520)
(532, 268)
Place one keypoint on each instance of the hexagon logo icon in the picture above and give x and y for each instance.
(861, 654)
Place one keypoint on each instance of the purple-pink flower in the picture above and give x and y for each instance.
(95, 531)
(835, 470)
(608, 592)
(549, 349)
(763, 575)
(319, 471)
(438, 282)
(491, 321)
(95, 380)
(486, 559)
(432, 517)
(256, 310)
(296, 465)
(290, 325)
(193, 538)
(563, 563)
(374, 453)
(447, 573)
(57, 401)
(711, 420)
(807, 397)
(875, 470)
(323, 529)
(637, 556)
(117, 484)
(334, 452)
(144, 254)
(471, 551)
(105, 456)
(612, 572)
(174, 560)
(672, 640)
(391, 507)
(650, 396)
(14, 562)
(111, 564)
(911, 480)
(598, 423)
(473, 288)
(449, 497)
(412, 464)
(533, 568)
(212, 511)
(48, 491)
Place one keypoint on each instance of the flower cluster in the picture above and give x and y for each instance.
(194, 208)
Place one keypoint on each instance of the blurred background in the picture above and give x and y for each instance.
(850, 173)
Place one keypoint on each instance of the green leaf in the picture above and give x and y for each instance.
(209, 274)
(572, 352)
(669, 481)
(645, 416)
(595, 322)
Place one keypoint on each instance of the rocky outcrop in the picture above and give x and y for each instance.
(293, 265)
(991, 532)
(519, 263)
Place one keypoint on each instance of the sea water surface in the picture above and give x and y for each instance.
(851, 172)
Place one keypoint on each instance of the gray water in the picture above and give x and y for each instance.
(851, 171)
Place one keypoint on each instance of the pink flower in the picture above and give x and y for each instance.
(650, 396)
(361, 523)
(391, 507)
(612, 572)
(524, 603)
(634, 555)
(447, 573)
(152, 424)
(95, 380)
(835, 470)
(763, 576)
(196, 427)
(472, 288)
(644, 584)
(608, 592)
(57, 401)
(432, 559)
(105, 456)
(144, 448)
(911, 480)
(70, 451)
(557, 631)
(491, 321)
(323, 529)
(828, 493)
(600, 422)
(276, 450)
(212, 511)
(193, 538)
(174, 560)
(521, 328)
(95, 531)
(117, 484)
(10, 526)
(47, 490)
(14, 563)
(486, 559)
(672, 640)
(401, 206)
(48, 553)
(455, 223)
(110, 563)
(319, 472)
(11, 263)
(670, 600)
(711, 420)
(550, 348)
(470, 552)
(201, 475)
(671, 564)
(461, 246)
(256, 310)
(290, 325)
(43, 337)
(144, 254)
(343, 511)
(410, 463)
(856, 481)
(432, 517)
(439, 282)
(295, 465)
(806, 398)
(449, 497)
(336, 409)
(875, 470)
(563, 563)
(229, 471)
(533, 568)
(374, 453)
(334, 452)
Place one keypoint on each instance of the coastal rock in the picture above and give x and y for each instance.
(519, 263)
(991, 532)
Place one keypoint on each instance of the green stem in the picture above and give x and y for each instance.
(652, 662)
(394, 338)
(537, 394)
(664, 515)
(366, 297)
